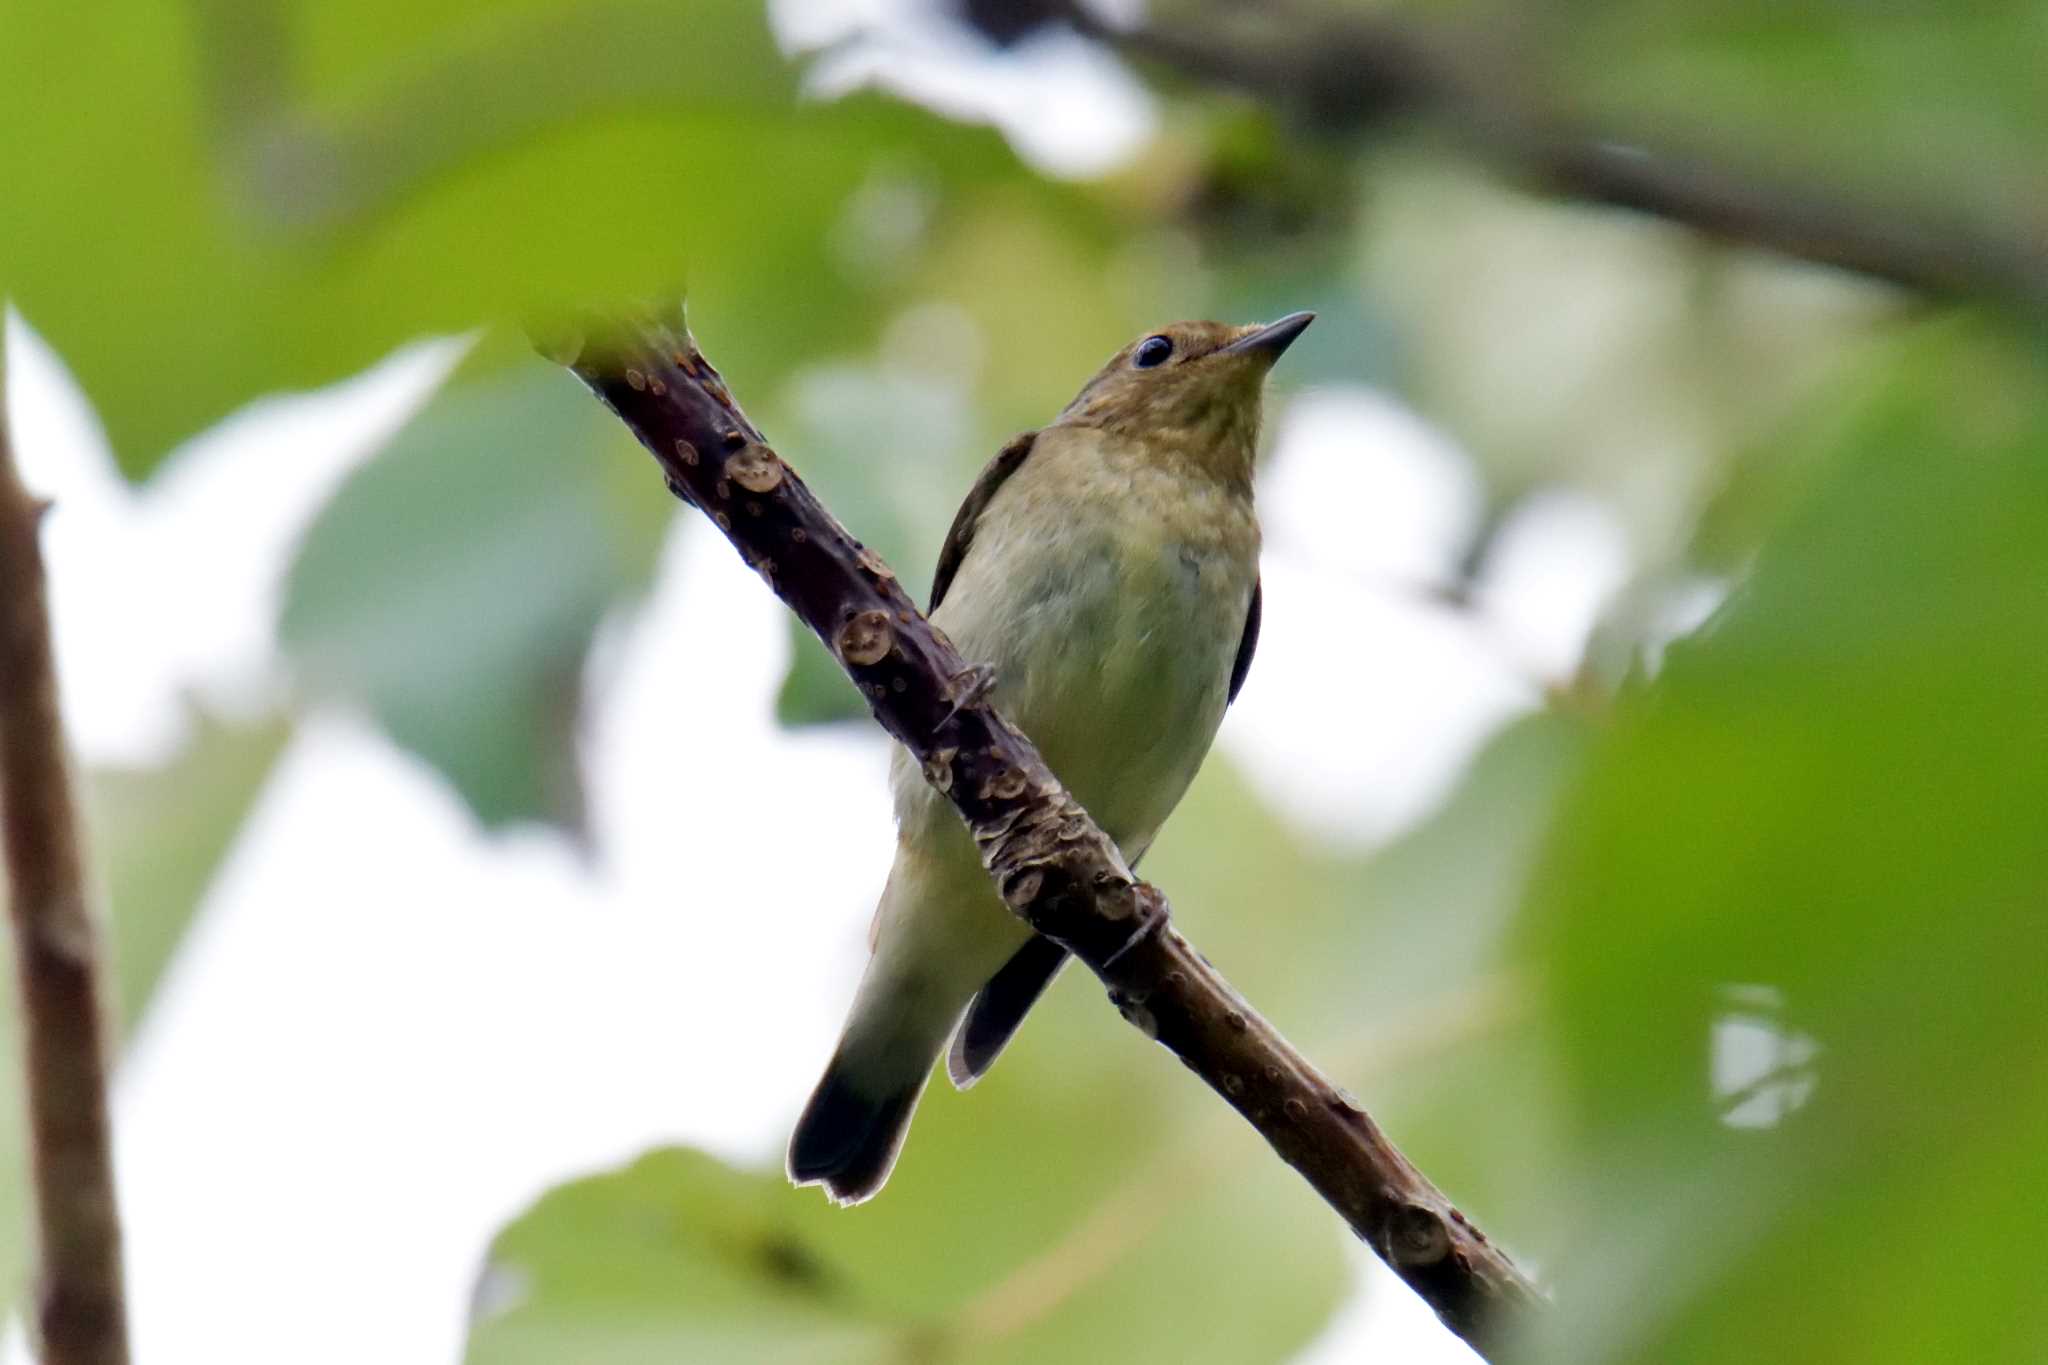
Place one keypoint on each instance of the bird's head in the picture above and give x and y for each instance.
(1192, 385)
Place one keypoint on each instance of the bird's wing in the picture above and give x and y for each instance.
(999, 1007)
(1249, 642)
(1007, 462)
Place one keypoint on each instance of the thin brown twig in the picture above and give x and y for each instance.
(1052, 865)
(79, 1316)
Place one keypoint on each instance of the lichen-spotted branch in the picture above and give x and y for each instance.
(78, 1317)
(1050, 862)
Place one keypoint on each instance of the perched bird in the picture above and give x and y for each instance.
(1106, 568)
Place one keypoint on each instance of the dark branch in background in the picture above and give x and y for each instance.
(1048, 859)
(79, 1317)
(1353, 72)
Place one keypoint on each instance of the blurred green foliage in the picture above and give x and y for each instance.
(1817, 824)
(238, 196)
(1929, 104)
(1834, 797)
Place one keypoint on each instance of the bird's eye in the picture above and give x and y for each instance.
(1154, 351)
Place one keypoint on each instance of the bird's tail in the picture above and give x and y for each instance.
(853, 1128)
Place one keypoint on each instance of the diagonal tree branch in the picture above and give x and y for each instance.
(1357, 69)
(79, 1317)
(1048, 859)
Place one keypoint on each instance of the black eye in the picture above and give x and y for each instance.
(1154, 351)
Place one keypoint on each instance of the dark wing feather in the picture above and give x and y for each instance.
(999, 1007)
(1248, 642)
(993, 475)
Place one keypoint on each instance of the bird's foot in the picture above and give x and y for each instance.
(969, 687)
(1152, 918)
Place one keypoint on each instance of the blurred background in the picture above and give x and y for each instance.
(1638, 801)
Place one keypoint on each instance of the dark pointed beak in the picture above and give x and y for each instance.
(1274, 337)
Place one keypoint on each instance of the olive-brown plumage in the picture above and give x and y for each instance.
(1105, 567)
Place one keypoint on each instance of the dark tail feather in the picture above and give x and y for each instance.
(848, 1140)
(999, 1007)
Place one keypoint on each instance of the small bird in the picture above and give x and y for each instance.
(1106, 570)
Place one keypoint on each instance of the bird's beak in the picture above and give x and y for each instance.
(1273, 338)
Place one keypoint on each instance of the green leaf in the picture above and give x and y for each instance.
(322, 182)
(157, 837)
(678, 1257)
(1821, 830)
(675, 1258)
(453, 585)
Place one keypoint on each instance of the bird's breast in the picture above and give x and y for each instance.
(1112, 636)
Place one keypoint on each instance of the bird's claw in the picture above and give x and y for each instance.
(969, 687)
(1152, 917)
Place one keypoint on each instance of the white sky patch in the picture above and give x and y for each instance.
(1364, 705)
(1553, 567)
(756, 852)
(1360, 483)
(1759, 1068)
(1383, 1320)
(359, 1055)
(1367, 697)
(1069, 107)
